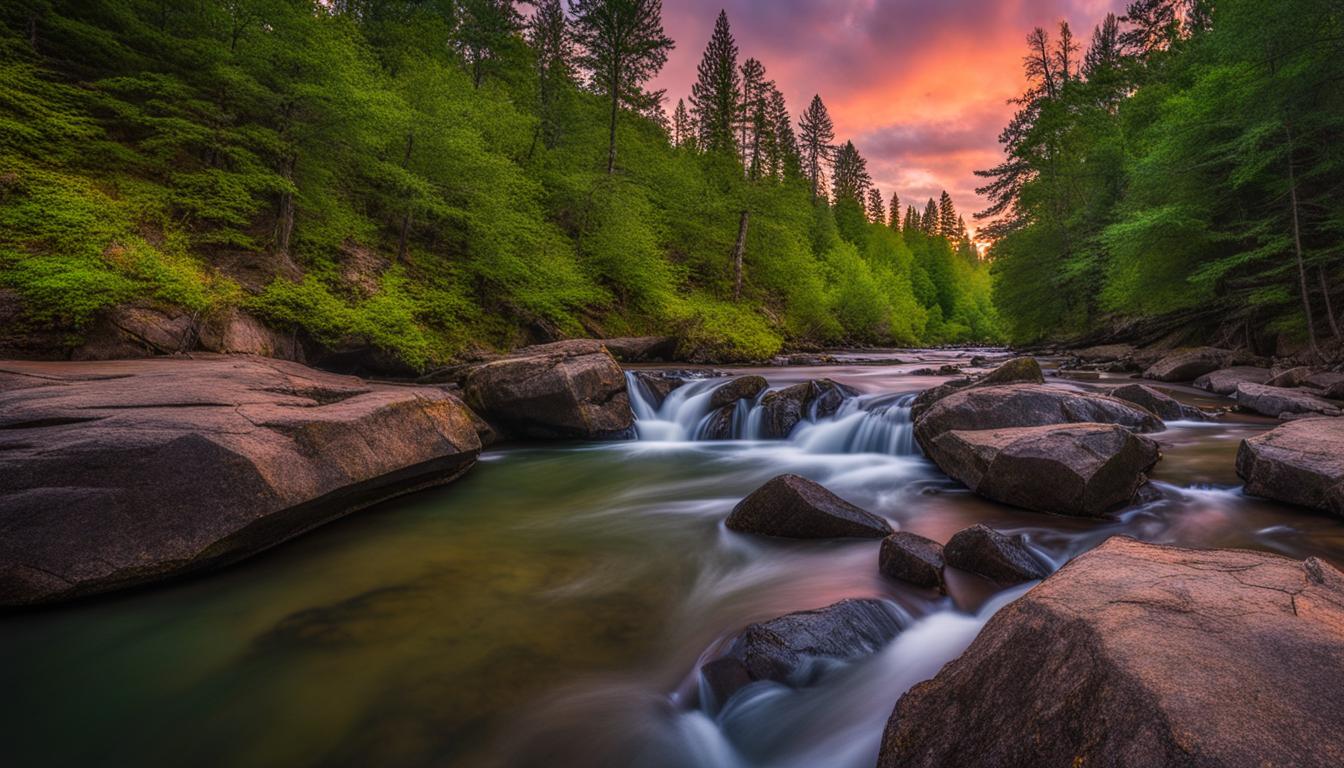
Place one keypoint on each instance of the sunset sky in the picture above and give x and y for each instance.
(920, 86)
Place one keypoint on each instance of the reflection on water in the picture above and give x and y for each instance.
(551, 609)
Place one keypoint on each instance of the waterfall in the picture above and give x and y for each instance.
(862, 424)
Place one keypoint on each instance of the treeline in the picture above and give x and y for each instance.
(432, 177)
(1189, 164)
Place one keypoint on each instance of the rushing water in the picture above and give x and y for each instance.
(552, 607)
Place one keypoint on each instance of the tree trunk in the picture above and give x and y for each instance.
(1297, 246)
(739, 249)
(406, 217)
(32, 30)
(284, 224)
(1329, 307)
(611, 135)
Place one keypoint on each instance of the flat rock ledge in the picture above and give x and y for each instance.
(118, 474)
(1143, 655)
(1301, 462)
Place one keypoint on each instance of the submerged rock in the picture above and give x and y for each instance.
(1165, 406)
(1226, 381)
(911, 558)
(783, 650)
(794, 507)
(1276, 401)
(1301, 462)
(1143, 655)
(123, 473)
(783, 409)
(983, 550)
(1189, 364)
(1085, 470)
(566, 390)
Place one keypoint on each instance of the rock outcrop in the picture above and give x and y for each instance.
(794, 507)
(565, 390)
(781, 649)
(783, 409)
(1226, 380)
(1163, 405)
(123, 473)
(1142, 655)
(911, 558)
(1189, 364)
(1301, 462)
(1278, 402)
(1020, 370)
(1086, 470)
(1026, 405)
(996, 556)
(643, 349)
(736, 388)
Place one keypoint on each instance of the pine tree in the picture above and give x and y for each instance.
(850, 179)
(929, 223)
(877, 211)
(752, 114)
(548, 33)
(1103, 55)
(1066, 54)
(716, 92)
(895, 209)
(1153, 25)
(912, 220)
(682, 128)
(623, 47)
(947, 217)
(784, 162)
(815, 134)
(484, 30)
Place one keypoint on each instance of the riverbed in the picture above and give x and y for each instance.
(552, 607)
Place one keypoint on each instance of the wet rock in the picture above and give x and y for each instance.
(784, 650)
(911, 558)
(1275, 401)
(123, 473)
(1085, 470)
(1020, 370)
(566, 390)
(983, 550)
(738, 388)
(1226, 381)
(1301, 462)
(795, 507)
(1189, 364)
(783, 409)
(1165, 406)
(1290, 378)
(1143, 655)
(719, 425)
(1026, 405)
(945, 370)
(659, 384)
(643, 349)
(932, 395)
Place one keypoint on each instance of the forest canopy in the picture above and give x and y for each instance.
(437, 178)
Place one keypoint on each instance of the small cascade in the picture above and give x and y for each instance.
(878, 424)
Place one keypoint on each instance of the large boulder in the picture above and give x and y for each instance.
(1189, 364)
(794, 507)
(996, 556)
(123, 473)
(1328, 384)
(1276, 401)
(783, 409)
(1301, 462)
(1163, 405)
(1143, 655)
(782, 649)
(911, 558)
(1026, 405)
(643, 349)
(566, 390)
(1226, 380)
(1019, 370)
(1085, 470)
(736, 388)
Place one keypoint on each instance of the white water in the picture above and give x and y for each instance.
(878, 424)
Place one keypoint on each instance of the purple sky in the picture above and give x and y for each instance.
(920, 87)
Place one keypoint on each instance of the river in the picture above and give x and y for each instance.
(551, 607)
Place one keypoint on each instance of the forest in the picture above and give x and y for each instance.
(439, 178)
(1189, 166)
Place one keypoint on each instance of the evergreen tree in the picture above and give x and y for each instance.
(877, 212)
(912, 221)
(784, 163)
(816, 133)
(623, 48)
(849, 176)
(947, 217)
(753, 115)
(895, 222)
(715, 95)
(548, 33)
(485, 29)
(929, 223)
(1103, 55)
(682, 127)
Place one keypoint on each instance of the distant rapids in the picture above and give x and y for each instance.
(862, 424)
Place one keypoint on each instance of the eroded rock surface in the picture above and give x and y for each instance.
(1160, 403)
(1277, 401)
(1301, 462)
(1226, 381)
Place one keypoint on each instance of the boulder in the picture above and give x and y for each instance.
(795, 507)
(1086, 470)
(1026, 405)
(736, 388)
(1290, 378)
(911, 558)
(718, 425)
(784, 650)
(657, 385)
(1276, 401)
(565, 390)
(1165, 406)
(1106, 353)
(1189, 364)
(1329, 384)
(983, 550)
(238, 333)
(643, 349)
(1301, 462)
(137, 330)
(1019, 370)
(124, 473)
(1143, 655)
(784, 408)
(1226, 380)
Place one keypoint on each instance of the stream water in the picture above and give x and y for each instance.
(552, 607)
